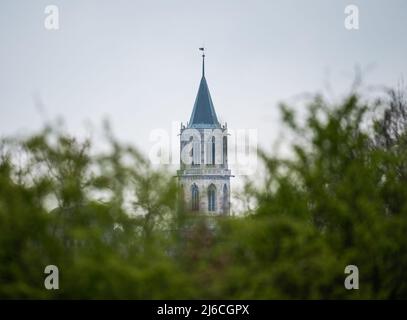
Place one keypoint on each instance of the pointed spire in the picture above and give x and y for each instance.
(203, 114)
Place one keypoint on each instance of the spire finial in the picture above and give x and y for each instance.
(203, 61)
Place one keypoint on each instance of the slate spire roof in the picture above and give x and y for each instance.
(203, 114)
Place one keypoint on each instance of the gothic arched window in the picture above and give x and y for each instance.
(195, 197)
(192, 150)
(225, 150)
(196, 151)
(211, 198)
(225, 200)
(213, 150)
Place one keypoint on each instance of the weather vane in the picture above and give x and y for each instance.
(203, 51)
(203, 60)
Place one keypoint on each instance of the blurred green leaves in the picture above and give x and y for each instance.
(115, 229)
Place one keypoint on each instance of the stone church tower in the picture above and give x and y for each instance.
(204, 176)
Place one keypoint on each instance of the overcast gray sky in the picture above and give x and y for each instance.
(137, 63)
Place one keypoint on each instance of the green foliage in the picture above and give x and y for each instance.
(113, 225)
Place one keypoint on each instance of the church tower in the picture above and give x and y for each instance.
(204, 176)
